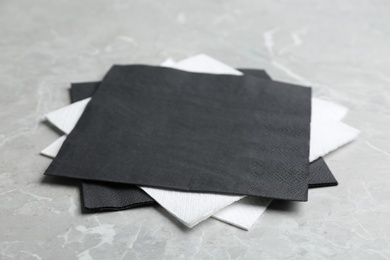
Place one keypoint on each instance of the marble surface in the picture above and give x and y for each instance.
(340, 48)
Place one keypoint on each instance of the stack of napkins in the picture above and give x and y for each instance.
(198, 137)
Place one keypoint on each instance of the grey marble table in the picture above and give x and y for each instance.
(340, 48)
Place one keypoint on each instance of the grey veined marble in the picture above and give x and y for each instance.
(341, 48)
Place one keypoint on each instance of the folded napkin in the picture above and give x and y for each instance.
(313, 108)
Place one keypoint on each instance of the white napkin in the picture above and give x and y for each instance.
(53, 149)
(327, 110)
(191, 208)
(66, 118)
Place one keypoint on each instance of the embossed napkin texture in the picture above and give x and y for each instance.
(244, 212)
(192, 132)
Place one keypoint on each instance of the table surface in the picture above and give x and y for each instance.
(340, 48)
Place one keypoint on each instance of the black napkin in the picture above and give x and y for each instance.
(166, 128)
(104, 196)
(320, 175)
(113, 196)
